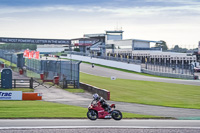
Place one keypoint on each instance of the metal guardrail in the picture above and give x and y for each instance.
(21, 83)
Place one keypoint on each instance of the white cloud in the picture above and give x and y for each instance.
(173, 24)
(128, 11)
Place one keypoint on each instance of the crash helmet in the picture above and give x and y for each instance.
(95, 96)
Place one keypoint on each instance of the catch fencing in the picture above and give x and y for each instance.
(67, 71)
(170, 68)
(184, 71)
(8, 55)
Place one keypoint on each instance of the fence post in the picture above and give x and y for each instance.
(31, 83)
(14, 83)
(64, 83)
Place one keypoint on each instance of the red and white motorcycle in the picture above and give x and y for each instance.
(96, 111)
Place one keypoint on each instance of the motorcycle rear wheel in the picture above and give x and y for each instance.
(92, 115)
(116, 115)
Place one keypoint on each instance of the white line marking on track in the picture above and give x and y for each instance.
(79, 127)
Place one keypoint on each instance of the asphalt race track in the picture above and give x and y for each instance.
(111, 126)
(106, 72)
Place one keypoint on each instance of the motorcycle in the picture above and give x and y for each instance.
(95, 110)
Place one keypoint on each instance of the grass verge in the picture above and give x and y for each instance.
(75, 90)
(8, 63)
(147, 92)
(41, 109)
(18, 89)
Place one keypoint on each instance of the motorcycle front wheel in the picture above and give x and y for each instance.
(92, 115)
(116, 115)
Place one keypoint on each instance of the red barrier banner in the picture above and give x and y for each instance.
(26, 53)
(31, 54)
(37, 54)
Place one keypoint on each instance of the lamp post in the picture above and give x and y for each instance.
(70, 49)
(60, 67)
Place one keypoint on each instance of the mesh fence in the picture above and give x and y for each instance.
(65, 70)
(186, 69)
(7, 55)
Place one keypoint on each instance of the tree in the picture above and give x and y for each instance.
(179, 49)
(176, 48)
(163, 45)
(17, 46)
(77, 49)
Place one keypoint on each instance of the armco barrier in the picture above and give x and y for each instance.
(31, 96)
(92, 89)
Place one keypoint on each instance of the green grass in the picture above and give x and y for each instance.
(75, 90)
(41, 109)
(36, 109)
(18, 89)
(7, 62)
(147, 92)
(58, 54)
(32, 74)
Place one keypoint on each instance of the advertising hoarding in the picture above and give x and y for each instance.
(10, 95)
(35, 41)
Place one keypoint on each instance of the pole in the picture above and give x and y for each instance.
(11, 61)
(71, 60)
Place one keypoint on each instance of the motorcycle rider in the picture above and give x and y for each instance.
(104, 105)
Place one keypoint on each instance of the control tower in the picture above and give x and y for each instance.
(103, 38)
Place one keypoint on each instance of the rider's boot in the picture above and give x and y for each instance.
(109, 109)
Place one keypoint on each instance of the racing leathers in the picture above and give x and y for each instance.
(104, 104)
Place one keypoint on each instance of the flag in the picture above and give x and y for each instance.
(37, 54)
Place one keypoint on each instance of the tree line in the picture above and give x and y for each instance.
(18, 46)
(176, 48)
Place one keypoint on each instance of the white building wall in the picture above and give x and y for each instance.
(121, 43)
(141, 44)
(50, 48)
(160, 54)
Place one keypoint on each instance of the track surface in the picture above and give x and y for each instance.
(76, 125)
(106, 72)
(100, 123)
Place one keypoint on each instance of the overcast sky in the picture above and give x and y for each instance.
(175, 21)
